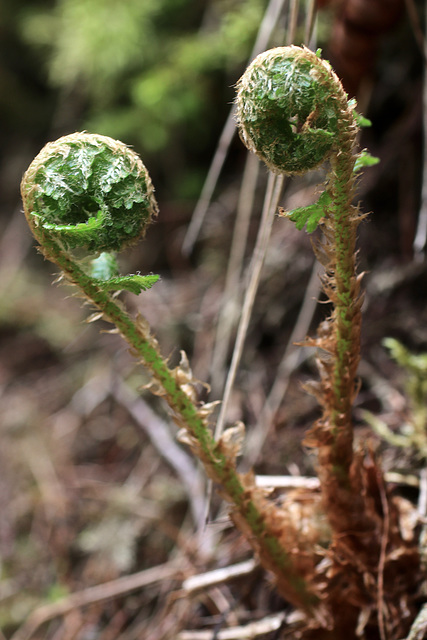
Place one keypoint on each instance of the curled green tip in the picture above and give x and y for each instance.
(286, 113)
(92, 191)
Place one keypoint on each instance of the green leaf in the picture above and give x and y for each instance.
(75, 235)
(361, 120)
(133, 283)
(365, 159)
(310, 216)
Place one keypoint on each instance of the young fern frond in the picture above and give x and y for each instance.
(78, 194)
(89, 192)
(292, 111)
(93, 191)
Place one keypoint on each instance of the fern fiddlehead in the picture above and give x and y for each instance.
(284, 113)
(89, 192)
(92, 193)
(294, 114)
(92, 190)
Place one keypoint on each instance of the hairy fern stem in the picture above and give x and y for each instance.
(249, 508)
(339, 338)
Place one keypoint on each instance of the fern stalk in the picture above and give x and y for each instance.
(294, 114)
(342, 285)
(78, 195)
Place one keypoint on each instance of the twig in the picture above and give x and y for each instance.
(14, 245)
(421, 232)
(268, 23)
(163, 440)
(249, 631)
(310, 22)
(202, 205)
(101, 592)
(382, 559)
(415, 23)
(302, 482)
(274, 189)
(287, 365)
(422, 497)
(232, 290)
(419, 628)
(398, 478)
(287, 482)
(293, 19)
(44, 472)
(422, 511)
(218, 576)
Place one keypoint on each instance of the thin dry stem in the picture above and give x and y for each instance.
(289, 361)
(101, 592)
(275, 184)
(267, 26)
(231, 296)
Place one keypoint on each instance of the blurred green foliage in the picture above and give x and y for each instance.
(415, 368)
(156, 74)
(412, 433)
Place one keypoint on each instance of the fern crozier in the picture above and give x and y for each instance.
(92, 191)
(286, 113)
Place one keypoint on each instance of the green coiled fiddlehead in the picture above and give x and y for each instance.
(88, 193)
(92, 190)
(285, 113)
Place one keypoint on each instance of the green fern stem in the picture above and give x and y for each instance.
(216, 462)
(342, 285)
(58, 241)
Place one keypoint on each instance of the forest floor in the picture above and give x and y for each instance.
(102, 527)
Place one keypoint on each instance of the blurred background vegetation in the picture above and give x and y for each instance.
(85, 493)
(156, 74)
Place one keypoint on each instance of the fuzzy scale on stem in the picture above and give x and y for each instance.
(77, 193)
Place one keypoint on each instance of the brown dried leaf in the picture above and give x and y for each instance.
(231, 441)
